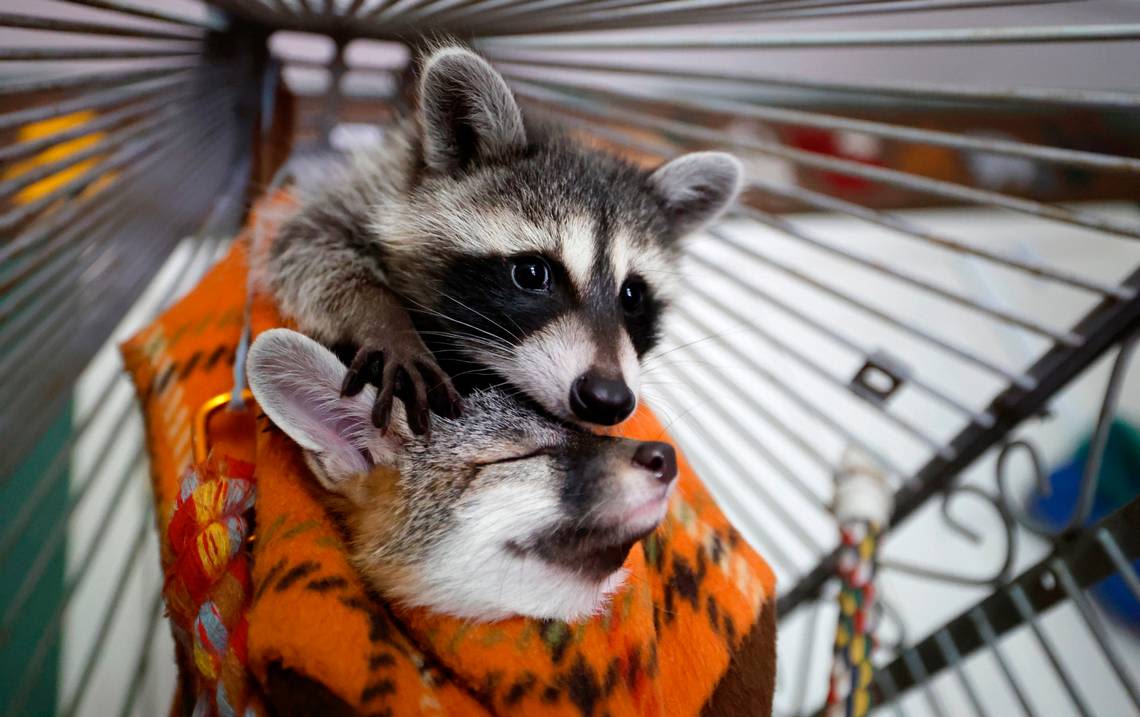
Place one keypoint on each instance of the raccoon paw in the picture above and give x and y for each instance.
(411, 375)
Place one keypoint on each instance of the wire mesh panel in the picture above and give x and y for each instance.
(936, 247)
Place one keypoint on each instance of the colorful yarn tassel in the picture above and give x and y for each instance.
(208, 585)
(862, 506)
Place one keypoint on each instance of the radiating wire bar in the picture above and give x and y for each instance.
(918, 671)
(950, 654)
(34, 351)
(30, 304)
(109, 143)
(804, 674)
(795, 397)
(886, 683)
(1020, 380)
(807, 447)
(51, 631)
(142, 664)
(102, 319)
(94, 100)
(817, 369)
(1120, 561)
(22, 355)
(790, 522)
(942, 92)
(1099, 442)
(398, 13)
(433, 9)
(984, 418)
(351, 11)
(134, 148)
(89, 663)
(899, 6)
(46, 550)
(1025, 608)
(876, 39)
(825, 202)
(800, 118)
(562, 12)
(937, 187)
(31, 22)
(55, 235)
(374, 13)
(569, 15)
(55, 471)
(1093, 161)
(1096, 627)
(12, 152)
(789, 475)
(775, 550)
(58, 54)
(682, 13)
(481, 9)
(278, 9)
(14, 299)
(211, 23)
(101, 79)
(125, 154)
(1066, 338)
(986, 632)
(33, 397)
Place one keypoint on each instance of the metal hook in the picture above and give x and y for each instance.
(1023, 519)
(1008, 525)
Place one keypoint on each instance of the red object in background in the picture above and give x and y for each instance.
(825, 142)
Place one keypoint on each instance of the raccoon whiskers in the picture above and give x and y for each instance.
(473, 310)
(657, 357)
(424, 309)
(499, 347)
(683, 415)
(690, 362)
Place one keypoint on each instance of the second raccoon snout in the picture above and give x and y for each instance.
(596, 398)
(659, 459)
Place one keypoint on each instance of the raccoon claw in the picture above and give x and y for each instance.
(365, 369)
(416, 381)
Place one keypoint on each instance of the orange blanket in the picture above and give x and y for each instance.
(692, 632)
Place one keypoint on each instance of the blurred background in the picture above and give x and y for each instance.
(935, 262)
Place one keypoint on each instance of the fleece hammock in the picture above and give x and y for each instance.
(269, 617)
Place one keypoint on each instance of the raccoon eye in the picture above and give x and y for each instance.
(632, 296)
(531, 273)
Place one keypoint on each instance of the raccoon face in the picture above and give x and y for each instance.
(501, 512)
(532, 260)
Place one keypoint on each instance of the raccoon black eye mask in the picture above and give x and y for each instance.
(500, 512)
(477, 246)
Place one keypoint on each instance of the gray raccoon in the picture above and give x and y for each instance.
(498, 249)
(503, 512)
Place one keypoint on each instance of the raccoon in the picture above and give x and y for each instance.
(499, 251)
(503, 512)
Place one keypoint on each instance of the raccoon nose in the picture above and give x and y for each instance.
(597, 399)
(659, 459)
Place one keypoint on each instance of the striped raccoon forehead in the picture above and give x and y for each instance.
(557, 199)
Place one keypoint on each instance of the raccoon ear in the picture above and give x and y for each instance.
(296, 382)
(468, 112)
(697, 187)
